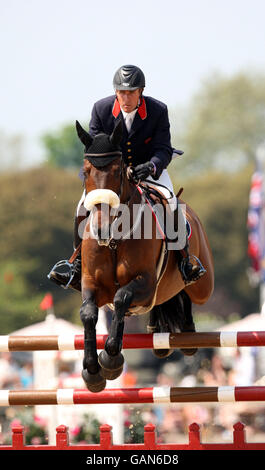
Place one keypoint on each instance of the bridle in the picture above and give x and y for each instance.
(125, 172)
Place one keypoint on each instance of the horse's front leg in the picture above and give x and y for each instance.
(91, 368)
(111, 359)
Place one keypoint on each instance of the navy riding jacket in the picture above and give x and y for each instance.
(149, 137)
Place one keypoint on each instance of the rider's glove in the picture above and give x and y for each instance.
(141, 172)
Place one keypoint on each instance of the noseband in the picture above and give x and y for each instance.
(100, 160)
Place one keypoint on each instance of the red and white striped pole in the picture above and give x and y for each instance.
(137, 341)
(132, 395)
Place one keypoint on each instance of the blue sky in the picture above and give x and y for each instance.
(59, 56)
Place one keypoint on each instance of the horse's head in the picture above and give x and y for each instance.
(105, 177)
(102, 162)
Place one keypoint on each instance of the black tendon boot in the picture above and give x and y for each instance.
(71, 278)
(190, 267)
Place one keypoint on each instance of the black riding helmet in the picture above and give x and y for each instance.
(128, 77)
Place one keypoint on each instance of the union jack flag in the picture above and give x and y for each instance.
(256, 227)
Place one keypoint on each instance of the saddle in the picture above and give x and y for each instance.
(154, 197)
(155, 200)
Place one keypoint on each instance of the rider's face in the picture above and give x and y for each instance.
(128, 99)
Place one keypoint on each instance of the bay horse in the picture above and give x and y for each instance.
(126, 273)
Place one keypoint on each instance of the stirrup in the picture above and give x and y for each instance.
(59, 264)
(197, 276)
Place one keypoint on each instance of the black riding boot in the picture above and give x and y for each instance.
(72, 278)
(191, 272)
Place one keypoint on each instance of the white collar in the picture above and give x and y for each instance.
(131, 114)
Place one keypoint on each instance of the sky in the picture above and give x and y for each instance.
(58, 57)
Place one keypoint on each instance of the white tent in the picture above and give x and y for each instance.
(252, 322)
(51, 325)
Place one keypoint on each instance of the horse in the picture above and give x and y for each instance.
(129, 274)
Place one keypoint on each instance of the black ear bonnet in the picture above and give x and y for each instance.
(102, 151)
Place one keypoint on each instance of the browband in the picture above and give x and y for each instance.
(107, 154)
(99, 160)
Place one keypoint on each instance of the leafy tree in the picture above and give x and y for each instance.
(63, 148)
(36, 221)
(223, 125)
(221, 201)
(18, 303)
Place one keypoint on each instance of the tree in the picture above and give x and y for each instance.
(19, 302)
(221, 201)
(36, 222)
(223, 125)
(63, 147)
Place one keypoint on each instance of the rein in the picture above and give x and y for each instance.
(123, 171)
(100, 160)
(103, 159)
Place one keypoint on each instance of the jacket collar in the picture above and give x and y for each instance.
(141, 109)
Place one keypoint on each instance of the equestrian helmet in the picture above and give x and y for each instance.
(128, 77)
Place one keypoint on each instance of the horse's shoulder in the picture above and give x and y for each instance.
(191, 215)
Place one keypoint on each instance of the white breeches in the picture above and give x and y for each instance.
(165, 180)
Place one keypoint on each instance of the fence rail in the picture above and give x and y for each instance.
(70, 396)
(150, 441)
(136, 341)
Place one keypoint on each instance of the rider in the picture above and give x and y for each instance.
(145, 146)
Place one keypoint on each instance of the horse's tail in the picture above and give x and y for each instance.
(172, 316)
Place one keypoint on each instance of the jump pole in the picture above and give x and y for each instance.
(137, 341)
(132, 395)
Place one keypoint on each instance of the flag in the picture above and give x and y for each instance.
(47, 302)
(256, 226)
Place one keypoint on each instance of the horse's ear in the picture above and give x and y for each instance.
(116, 135)
(83, 135)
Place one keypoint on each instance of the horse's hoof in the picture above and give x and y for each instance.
(94, 382)
(162, 353)
(111, 366)
(189, 352)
